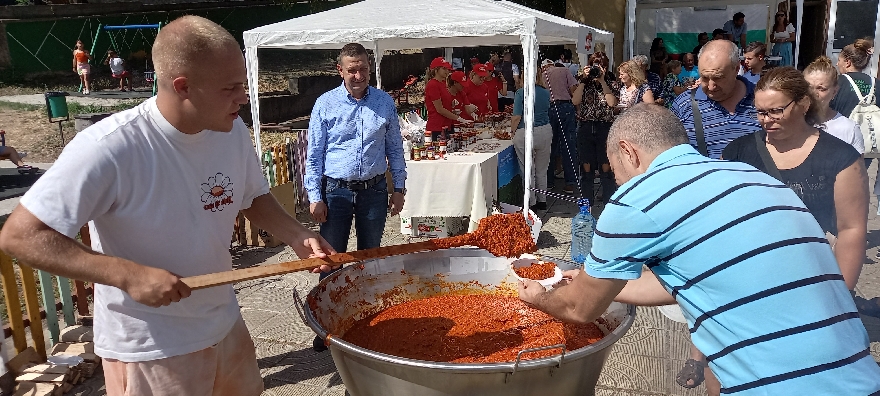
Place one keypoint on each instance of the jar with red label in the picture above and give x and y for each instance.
(442, 148)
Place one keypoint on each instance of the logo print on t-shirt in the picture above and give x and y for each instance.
(217, 192)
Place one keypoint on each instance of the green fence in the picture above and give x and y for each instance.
(48, 45)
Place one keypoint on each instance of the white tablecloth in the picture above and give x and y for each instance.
(463, 184)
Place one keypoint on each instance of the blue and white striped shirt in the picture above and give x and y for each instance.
(751, 270)
(353, 139)
(719, 125)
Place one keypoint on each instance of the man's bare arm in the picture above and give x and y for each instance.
(581, 301)
(36, 244)
(267, 213)
(645, 291)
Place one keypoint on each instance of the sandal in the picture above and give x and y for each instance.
(691, 372)
(867, 307)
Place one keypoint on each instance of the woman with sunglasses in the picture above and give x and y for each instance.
(783, 36)
(824, 171)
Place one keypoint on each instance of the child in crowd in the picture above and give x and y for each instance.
(81, 66)
(117, 69)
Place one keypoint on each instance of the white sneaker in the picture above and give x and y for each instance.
(85, 92)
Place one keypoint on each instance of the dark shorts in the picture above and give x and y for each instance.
(591, 139)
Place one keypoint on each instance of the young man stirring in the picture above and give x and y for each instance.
(160, 186)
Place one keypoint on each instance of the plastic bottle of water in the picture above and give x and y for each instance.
(583, 226)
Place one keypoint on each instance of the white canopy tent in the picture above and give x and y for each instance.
(382, 25)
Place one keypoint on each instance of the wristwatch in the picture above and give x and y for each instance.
(400, 190)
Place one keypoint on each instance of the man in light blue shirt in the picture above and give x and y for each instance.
(736, 29)
(354, 136)
(751, 269)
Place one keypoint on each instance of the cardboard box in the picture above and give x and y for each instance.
(424, 227)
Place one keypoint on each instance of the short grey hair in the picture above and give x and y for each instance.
(732, 51)
(651, 127)
(642, 60)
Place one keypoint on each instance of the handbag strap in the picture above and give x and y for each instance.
(698, 125)
(772, 170)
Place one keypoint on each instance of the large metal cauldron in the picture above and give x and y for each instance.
(361, 290)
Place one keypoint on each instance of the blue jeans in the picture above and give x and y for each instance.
(562, 119)
(368, 207)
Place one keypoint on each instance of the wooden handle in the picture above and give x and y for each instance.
(227, 277)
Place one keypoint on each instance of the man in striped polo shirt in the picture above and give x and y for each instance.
(736, 249)
(726, 102)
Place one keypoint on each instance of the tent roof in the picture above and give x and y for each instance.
(397, 24)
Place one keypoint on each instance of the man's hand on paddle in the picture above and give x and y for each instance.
(314, 246)
(155, 287)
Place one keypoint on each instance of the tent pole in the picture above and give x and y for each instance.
(630, 32)
(797, 37)
(378, 53)
(254, 91)
(530, 51)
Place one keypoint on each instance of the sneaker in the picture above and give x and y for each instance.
(85, 92)
(539, 206)
(318, 345)
(568, 190)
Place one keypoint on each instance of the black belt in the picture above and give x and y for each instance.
(560, 101)
(356, 185)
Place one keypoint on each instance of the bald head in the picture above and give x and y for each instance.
(189, 43)
(651, 127)
(722, 50)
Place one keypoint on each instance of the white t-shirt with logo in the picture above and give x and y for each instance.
(116, 65)
(845, 129)
(161, 198)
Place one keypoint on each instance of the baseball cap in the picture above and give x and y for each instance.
(547, 62)
(481, 70)
(458, 76)
(489, 66)
(440, 62)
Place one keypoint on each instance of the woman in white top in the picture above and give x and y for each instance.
(783, 36)
(822, 77)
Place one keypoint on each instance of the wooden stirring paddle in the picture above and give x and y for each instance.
(505, 235)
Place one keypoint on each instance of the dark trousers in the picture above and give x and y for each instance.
(367, 207)
(562, 120)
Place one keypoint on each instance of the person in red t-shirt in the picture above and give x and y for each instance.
(494, 83)
(438, 100)
(461, 105)
(476, 90)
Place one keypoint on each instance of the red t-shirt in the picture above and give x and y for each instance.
(478, 95)
(459, 101)
(494, 87)
(437, 90)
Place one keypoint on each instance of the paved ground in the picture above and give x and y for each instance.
(644, 362)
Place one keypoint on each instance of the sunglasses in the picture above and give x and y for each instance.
(774, 114)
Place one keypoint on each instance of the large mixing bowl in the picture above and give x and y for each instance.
(364, 289)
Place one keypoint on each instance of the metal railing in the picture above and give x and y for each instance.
(39, 309)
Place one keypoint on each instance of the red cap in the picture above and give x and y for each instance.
(480, 70)
(475, 60)
(489, 66)
(440, 62)
(458, 76)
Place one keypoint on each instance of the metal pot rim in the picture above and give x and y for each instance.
(554, 360)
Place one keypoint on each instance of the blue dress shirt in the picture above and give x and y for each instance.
(353, 139)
